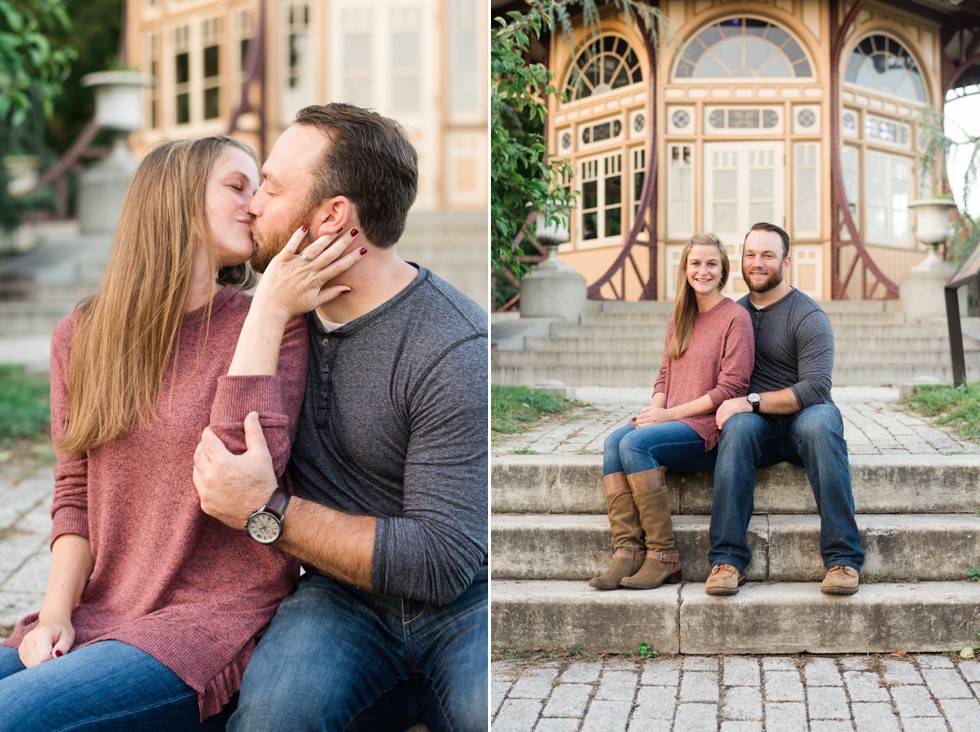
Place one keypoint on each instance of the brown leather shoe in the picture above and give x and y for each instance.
(724, 580)
(840, 580)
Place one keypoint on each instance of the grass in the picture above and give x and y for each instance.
(645, 651)
(958, 408)
(514, 408)
(24, 404)
(576, 652)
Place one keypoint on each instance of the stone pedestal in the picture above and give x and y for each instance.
(102, 189)
(922, 291)
(553, 289)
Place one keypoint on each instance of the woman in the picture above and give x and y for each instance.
(708, 358)
(153, 608)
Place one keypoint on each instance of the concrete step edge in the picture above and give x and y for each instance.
(933, 547)
(871, 375)
(880, 483)
(762, 618)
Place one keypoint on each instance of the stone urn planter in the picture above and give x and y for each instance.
(117, 98)
(922, 291)
(103, 186)
(552, 289)
(931, 227)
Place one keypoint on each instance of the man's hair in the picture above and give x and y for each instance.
(763, 226)
(371, 161)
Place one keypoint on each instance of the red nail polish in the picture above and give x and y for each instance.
(58, 654)
(305, 228)
(363, 251)
(353, 232)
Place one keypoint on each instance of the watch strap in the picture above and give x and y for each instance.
(276, 505)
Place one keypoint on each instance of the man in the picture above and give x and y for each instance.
(389, 466)
(788, 415)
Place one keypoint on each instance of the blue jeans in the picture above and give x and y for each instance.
(336, 657)
(105, 686)
(813, 438)
(673, 445)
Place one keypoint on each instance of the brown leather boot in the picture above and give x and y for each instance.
(662, 563)
(626, 534)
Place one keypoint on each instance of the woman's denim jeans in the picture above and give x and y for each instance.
(105, 686)
(337, 657)
(813, 438)
(673, 445)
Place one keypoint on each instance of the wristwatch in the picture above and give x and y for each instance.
(265, 524)
(755, 400)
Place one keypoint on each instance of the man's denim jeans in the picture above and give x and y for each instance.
(673, 445)
(102, 687)
(813, 438)
(336, 657)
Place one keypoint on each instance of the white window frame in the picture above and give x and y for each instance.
(806, 170)
(680, 193)
(895, 209)
(296, 80)
(599, 168)
(744, 217)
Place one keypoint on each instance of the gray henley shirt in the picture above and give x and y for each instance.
(794, 347)
(394, 425)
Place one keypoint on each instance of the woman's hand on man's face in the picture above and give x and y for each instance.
(297, 282)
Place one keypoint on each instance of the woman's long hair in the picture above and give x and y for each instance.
(128, 330)
(686, 305)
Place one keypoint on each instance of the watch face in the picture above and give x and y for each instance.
(264, 527)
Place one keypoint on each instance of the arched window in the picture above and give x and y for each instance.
(743, 48)
(603, 64)
(882, 64)
(879, 141)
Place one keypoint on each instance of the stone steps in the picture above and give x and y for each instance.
(30, 317)
(882, 484)
(783, 618)
(453, 244)
(648, 317)
(919, 518)
(665, 306)
(652, 345)
(865, 375)
(650, 355)
(39, 287)
(784, 548)
(621, 343)
(909, 331)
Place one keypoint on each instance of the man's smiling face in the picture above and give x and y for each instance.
(763, 261)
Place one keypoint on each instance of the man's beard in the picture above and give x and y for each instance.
(773, 280)
(274, 242)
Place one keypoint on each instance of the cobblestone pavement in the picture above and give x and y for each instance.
(914, 693)
(738, 694)
(874, 424)
(25, 499)
(730, 693)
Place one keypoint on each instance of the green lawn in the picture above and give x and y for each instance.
(956, 408)
(514, 408)
(24, 404)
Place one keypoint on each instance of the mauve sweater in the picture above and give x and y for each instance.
(717, 363)
(167, 578)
